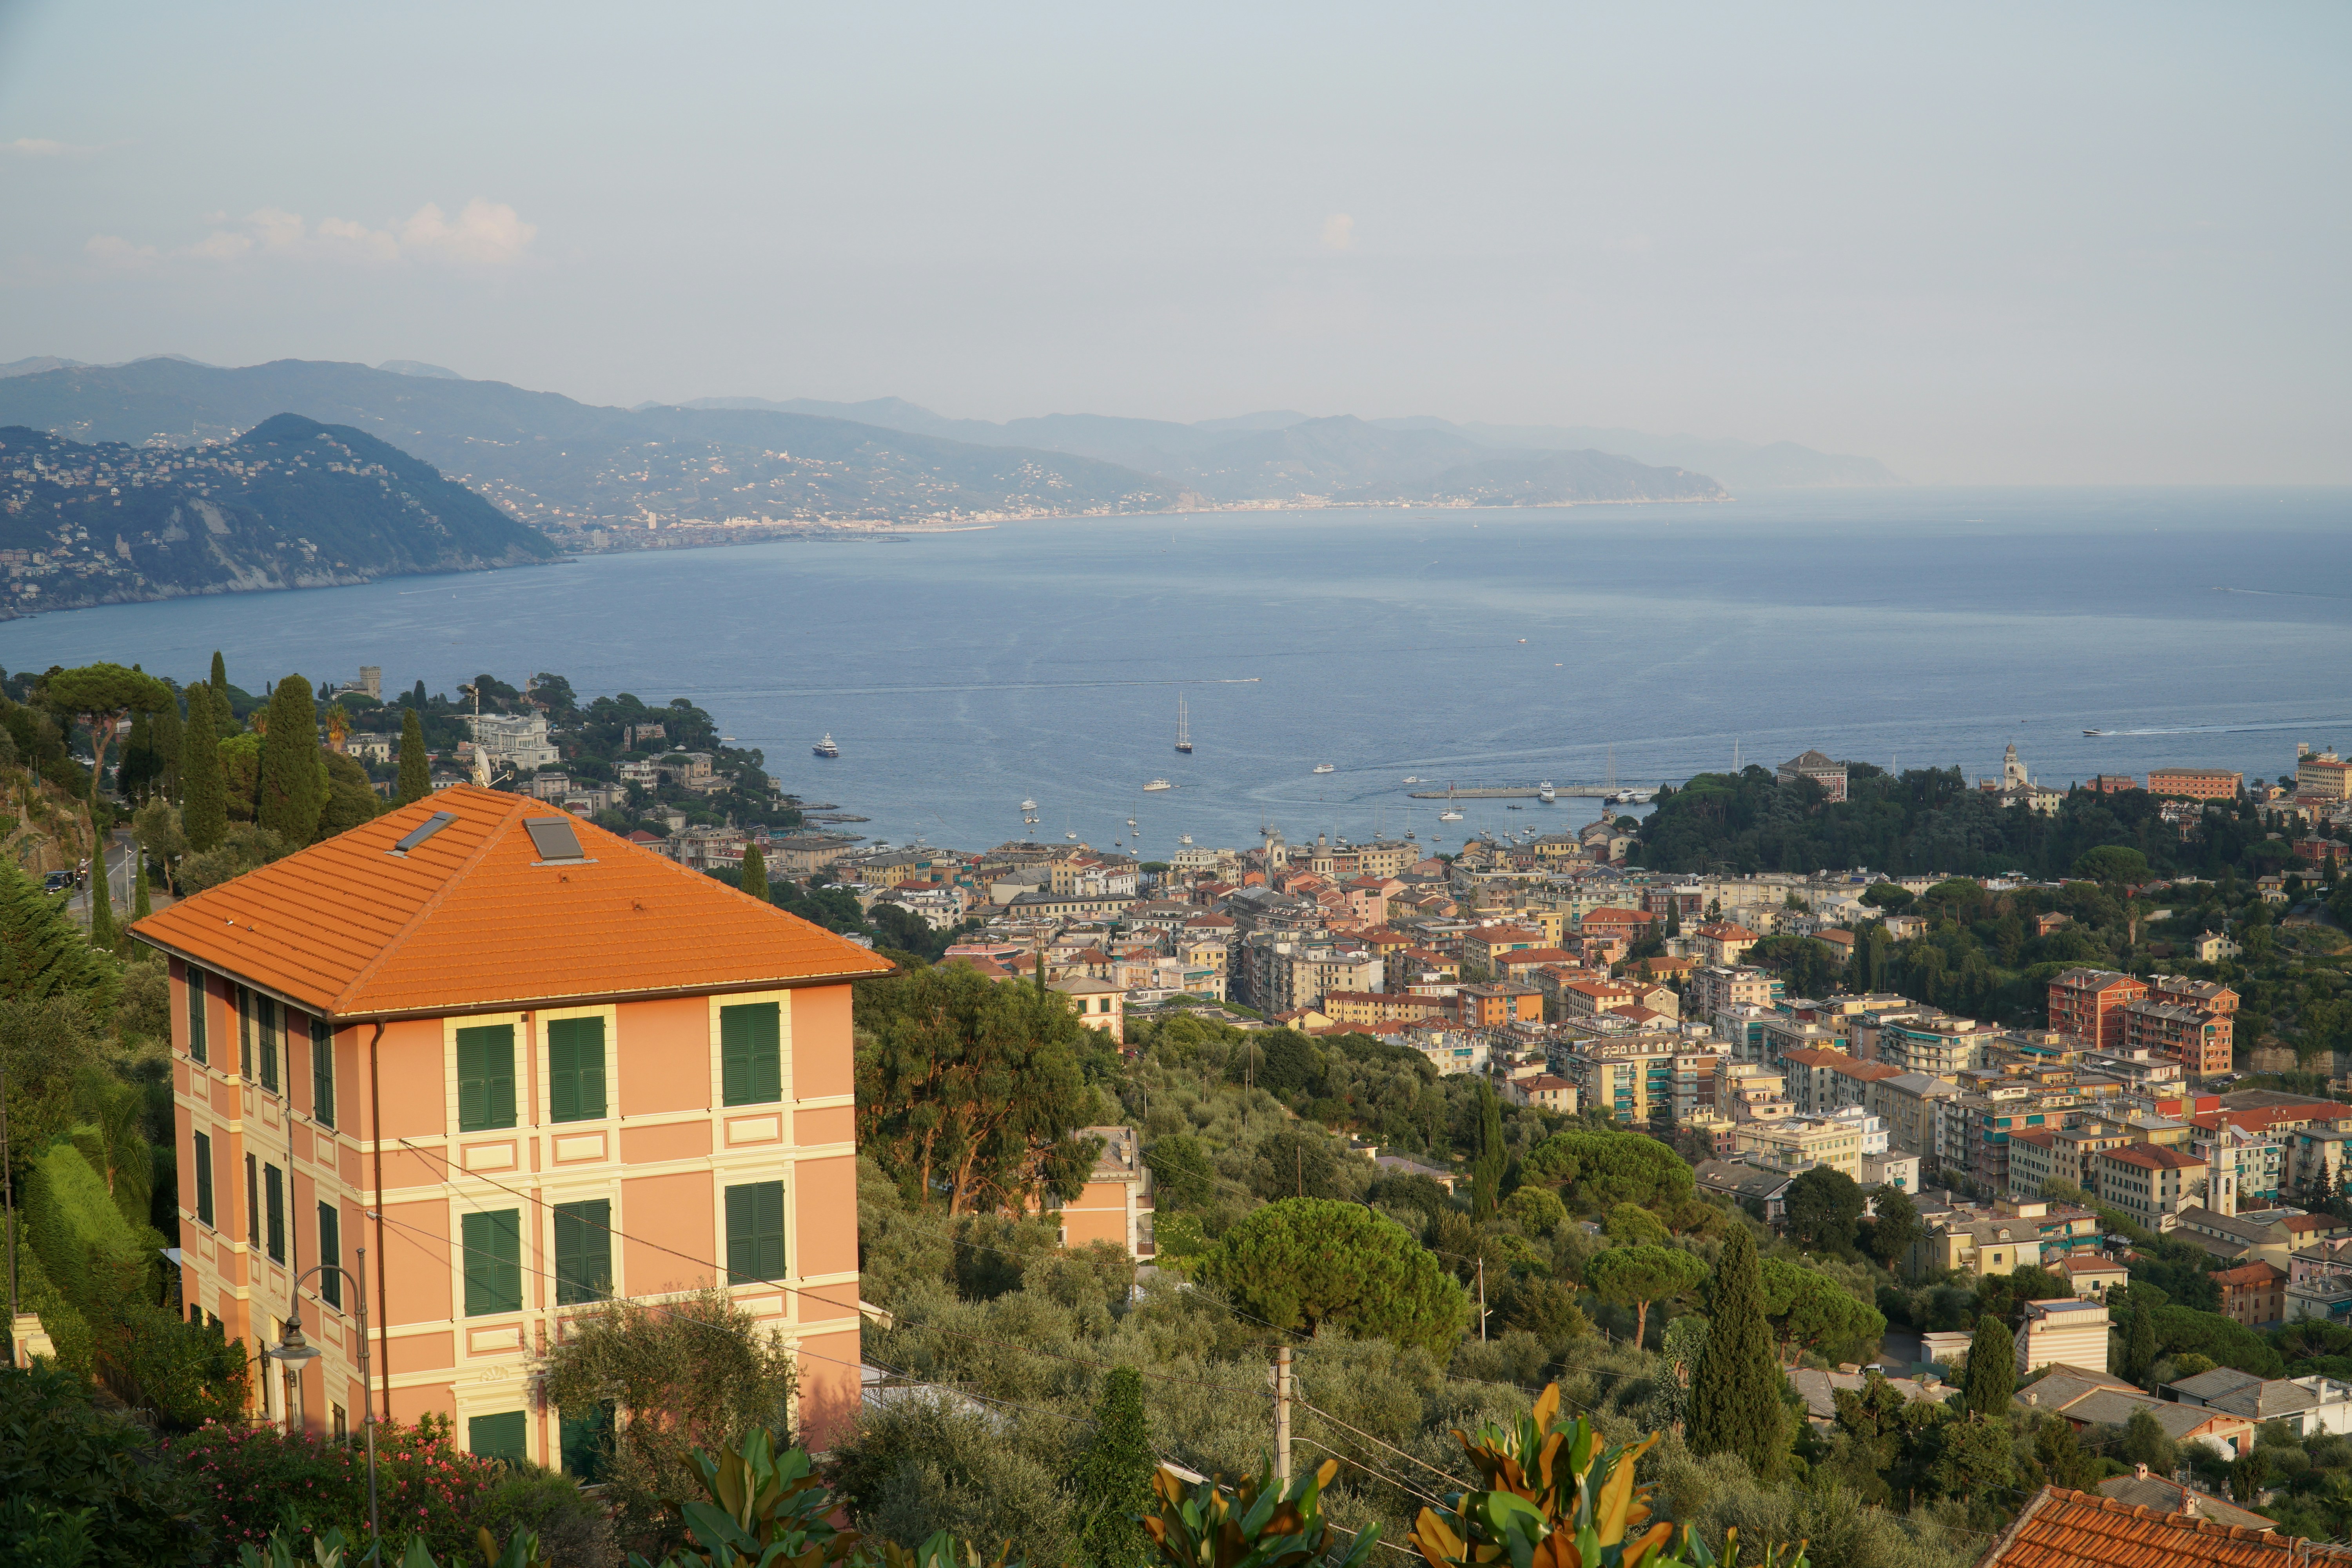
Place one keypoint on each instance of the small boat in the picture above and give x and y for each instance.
(1545, 794)
(1156, 784)
(1028, 805)
(1186, 840)
(1071, 837)
(1515, 805)
(2096, 731)
(1324, 768)
(1183, 728)
(825, 748)
(1449, 815)
(1130, 825)
(1523, 640)
(1412, 778)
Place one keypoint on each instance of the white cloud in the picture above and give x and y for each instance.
(43, 147)
(1339, 231)
(483, 234)
(116, 253)
(487, 233)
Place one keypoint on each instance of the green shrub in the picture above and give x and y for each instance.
(71, 1223)
(573, 1530)
(61, 1457)
(60, 1319)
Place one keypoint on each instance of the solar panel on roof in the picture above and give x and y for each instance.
(554, 839)
(423, 831)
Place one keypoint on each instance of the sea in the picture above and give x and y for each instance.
(963, 673)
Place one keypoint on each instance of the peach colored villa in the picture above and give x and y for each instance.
(526, 1066)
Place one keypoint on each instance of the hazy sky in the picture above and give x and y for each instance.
(2079, 243)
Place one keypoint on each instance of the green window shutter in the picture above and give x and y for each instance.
(752, 1054)
(330, 1255)
(485, 1078)
(270, 1035)
(587, 1444)
(755, 1232)
(203, 1180)
(575, 1069)
(273, 1188)
(252, 1203)
(199, 1046)
(500, 1436)
(245, 1031)
(323, 1073)
(493, 1245)
(583, 1252)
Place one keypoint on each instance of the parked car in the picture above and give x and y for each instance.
(57, 881)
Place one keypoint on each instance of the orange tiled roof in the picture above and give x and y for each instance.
(471, 919)
(2081, 1530)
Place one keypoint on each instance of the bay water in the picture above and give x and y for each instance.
(963, 672)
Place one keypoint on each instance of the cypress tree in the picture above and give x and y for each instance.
(293, 787)
(416, 773)
(101, 905)
(1992, 1367)
(222, 714)
(2139, 1349)
(1735, 1399)
(1486, 1166)
(1114, 1479)
(204, 792)
(754, 878)
(166, 731)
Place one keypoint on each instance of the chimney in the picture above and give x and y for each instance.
(2140, 1472)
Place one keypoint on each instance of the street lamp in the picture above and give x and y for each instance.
(294, 1350)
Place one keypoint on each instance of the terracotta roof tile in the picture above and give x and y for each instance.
(2081, 1530)
(472, 919)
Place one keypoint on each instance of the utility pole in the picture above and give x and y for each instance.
(1282, 1416)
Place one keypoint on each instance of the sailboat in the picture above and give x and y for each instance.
(1183, 727)
(1452, 813)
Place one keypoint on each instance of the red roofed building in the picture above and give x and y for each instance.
(2088, 1005)
(2254, 1294)
(1724, 943)
(526, 1066)
(1623, 925)
(2150, 1184)
(2082, 1529)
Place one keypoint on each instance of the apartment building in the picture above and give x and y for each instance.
(1822, 1082)
(2196, 783)
(2149, 1183)
(1630, 1076)
(1911, 1105)
(1722, 944)
(1799, 1143)
(1785, 1032)
(529, 1067)
(2068, 1331)
(2199, 1041)
(2086, 1004)
(1933, 1043)
(1718, 987)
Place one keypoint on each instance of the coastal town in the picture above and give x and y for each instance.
(2062, 1148)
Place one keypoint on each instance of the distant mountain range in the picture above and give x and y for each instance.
(1164, 446)
(592, 476)
(595, 478)
(292, 503)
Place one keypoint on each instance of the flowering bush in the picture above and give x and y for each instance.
(255, 1478)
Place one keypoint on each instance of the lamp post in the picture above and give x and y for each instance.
(295, 1350)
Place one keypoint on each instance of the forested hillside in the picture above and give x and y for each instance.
(1928, 821)
(290, 504)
